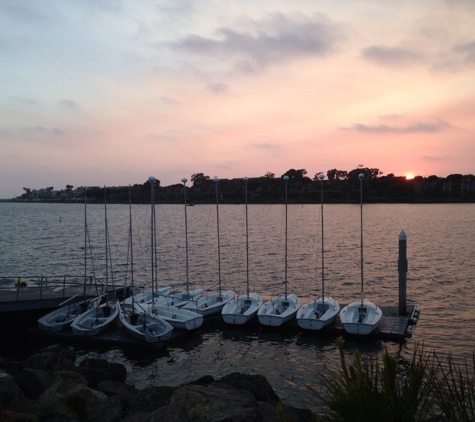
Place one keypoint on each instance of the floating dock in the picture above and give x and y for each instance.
(392, 327)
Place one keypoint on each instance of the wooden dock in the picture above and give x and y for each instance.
(393, 327)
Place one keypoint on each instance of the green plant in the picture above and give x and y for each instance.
(365, 390)
(454, 390)
(77, 403)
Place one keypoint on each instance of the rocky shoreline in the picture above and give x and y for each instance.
(49, 386)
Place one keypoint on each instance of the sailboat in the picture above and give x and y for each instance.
(362, 316)
(322, 311)
(169, 307)
(181, 298)
(136, 321)
(99, 318)
(213, 303)
(61, 318)
(242, 309)
(283, 309)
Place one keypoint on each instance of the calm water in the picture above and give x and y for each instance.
(48, 239)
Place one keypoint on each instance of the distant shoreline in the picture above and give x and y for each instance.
(224, 202)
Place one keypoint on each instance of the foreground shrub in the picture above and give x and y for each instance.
(365, 390)
(454, 390)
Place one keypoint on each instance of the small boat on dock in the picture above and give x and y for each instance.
(323, 311)
(362, 316)
(242, 309)
(213, 303)
(284, 308)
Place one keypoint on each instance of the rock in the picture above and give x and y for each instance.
(33, 382)
(10, 392)
(97, 370)
(151, 398)
(57, 359)
(69, 396)
(125, 392)
(255, 384)
(209, 403)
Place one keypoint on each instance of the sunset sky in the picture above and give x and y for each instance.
(110, 92)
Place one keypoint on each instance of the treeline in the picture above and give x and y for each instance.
(339, 186)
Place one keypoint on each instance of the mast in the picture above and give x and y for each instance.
(216, 180)
(184, 180)
(286, 179)
(152, 181)
(361, 177)
(247, 239)
(85, 241)
(131, 248)
(321, 176)
(106, 238)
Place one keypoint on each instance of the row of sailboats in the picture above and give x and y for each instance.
(360, 317)
(151, 315)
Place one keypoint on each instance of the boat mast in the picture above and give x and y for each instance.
(85, 241)
(286, 179)
(361, 177)
(106, 238)
(216, 180)
(321, 176)
(247, 239)
(184, 180)
(152, 181)
(131, 249)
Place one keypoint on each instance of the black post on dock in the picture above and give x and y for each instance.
(402, 268)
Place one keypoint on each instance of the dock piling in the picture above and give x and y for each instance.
(402, 268)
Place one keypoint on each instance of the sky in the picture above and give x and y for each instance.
(110, 92)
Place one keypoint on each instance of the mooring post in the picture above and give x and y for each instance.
(402, 268)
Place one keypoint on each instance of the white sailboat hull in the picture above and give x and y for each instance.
(60, 319)
(242, 309)
(179, 299)
(361, 317)
(95, 320)
(144, 326)
(181, 319)
(210, 304)
(318, 314)
(279, 311)
(148, 295)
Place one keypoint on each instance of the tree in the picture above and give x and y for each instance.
(199, 178)
(295, 174)
(269, 175)
(335, 174)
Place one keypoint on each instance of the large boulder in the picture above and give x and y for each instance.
(33, 382)
(255, 384)
(125, 392)
(150, 399)
(10, 392)
(70, 397)
(54, 359)
(208, 403)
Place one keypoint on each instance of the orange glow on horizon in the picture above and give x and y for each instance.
(409, 176)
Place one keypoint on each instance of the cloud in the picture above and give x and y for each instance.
(390, 56)
(275, 40)
(41, 130)
(418, 127)
(218, 88)
(169, 101)
(24, 100)
(69, 104)
(264, 145)
(460, 56)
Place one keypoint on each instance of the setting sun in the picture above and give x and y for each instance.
(409, 176)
